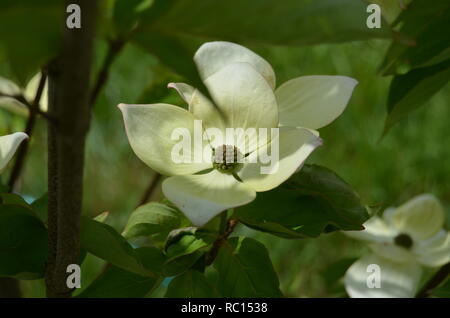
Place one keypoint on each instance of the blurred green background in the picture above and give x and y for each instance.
(411, 159)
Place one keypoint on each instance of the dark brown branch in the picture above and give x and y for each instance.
(69, 104)
(31, 121)
(150, 189)
(435, 281)
(211, 256)
(115, 47)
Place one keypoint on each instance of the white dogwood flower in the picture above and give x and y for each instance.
(242, 85)
(402, 240)
(8, 146)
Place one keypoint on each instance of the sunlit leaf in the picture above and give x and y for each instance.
(150, 219)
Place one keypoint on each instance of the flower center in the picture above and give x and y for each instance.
(226, 158)
(403, 240)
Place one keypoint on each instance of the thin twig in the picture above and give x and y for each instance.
(150, 189)
(115, 47)
(31, 121)
(211, 256)
(435, 281)
(21, 99)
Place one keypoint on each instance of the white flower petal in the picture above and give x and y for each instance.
(421, 217)
(203, 196)
(435, 251)
(244, 99)
(295, 145)
(376, 230)
(397, 280)
(393, 252)
(8, 146)
(200, 106)
(8, 87)
(31, 89)
(313, 101)
(184, 90)
(213, 56)
(149, 130)
(243, 96)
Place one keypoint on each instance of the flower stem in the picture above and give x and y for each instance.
(230, 226)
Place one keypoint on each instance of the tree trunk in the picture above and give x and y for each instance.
(69, 78)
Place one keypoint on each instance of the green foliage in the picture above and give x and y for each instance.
(414, 89)
(191, 284)
(269, 21)
(442, 291)
(40, 207)
(426, 58)
(184, 249)
(245, 270)
(103, 241)
(23, 243)
(152, 218)
(118, 283)
(26, 54)
(313, 201)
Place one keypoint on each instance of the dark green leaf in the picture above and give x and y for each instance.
(245, 270)
(127, 12)
(23, 243)
(269, 21)
(40, 207)
(442, 291)
(119, 283)
(24, 53)
(150, 219)
(103, 241)
(310, 202)
(425, 23)
(412, 90)
(191, 284)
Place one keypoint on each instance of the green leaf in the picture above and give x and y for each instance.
(40, 207)
(313, 201)
(425, 24)
(119, 283)
(126, 13)
(245, 270)
(412, 90)
(12, 198)
(442, 291)
(150, 219)
(191, 284)
(23, 243)
(185, 250)
(104, 242)
(266, 21)
(24, 53)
